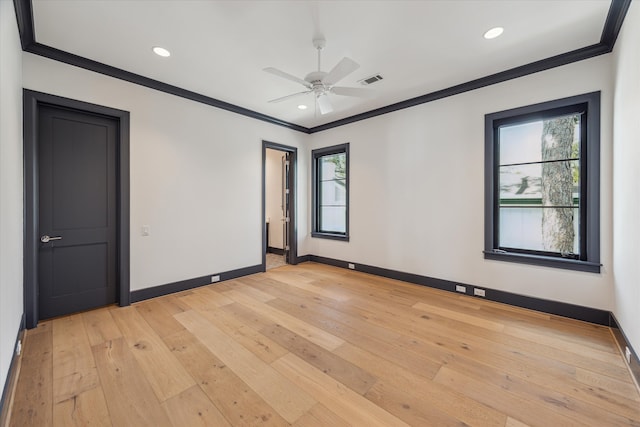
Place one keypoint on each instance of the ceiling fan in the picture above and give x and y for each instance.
(321, 83)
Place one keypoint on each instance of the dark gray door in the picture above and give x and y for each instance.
(77, 161)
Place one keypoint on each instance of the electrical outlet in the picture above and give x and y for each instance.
(352, 266)
(460, 288)
(215, 279)
(478, 292)
(19, 348)
(627, 353)
(146, 230)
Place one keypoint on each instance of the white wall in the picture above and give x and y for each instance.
(626, 176)
(417, 189)
(11, 301)
(273, 197)
(195, 175)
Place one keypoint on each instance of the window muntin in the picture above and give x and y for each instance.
(542, 184)
(330, 180)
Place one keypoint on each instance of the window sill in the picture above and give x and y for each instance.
(330, 236)
(567, 264)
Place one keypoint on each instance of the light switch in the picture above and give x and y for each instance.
(145, 230)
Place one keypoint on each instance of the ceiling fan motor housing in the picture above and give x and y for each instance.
(315, 78)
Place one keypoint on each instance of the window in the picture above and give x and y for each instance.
(330, 169)
(542, 178)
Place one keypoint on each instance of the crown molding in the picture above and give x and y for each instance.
(613, 24)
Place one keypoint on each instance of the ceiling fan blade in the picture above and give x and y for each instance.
(324, 104)
(345, 67)
(352, 91)
(287, 76)
(293, 95)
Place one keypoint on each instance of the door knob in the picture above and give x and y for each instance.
(47, 239)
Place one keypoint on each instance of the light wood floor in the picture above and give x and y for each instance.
(314, 345)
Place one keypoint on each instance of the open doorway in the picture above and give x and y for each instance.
(278, 205)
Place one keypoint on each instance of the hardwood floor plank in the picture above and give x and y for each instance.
(531, 412)
(74, 370)
(606, 384)
(548, 399)
(254, 292)
(283, 395)
(130, 398)
(100, 326)
(193, 408)
(313, 334)
(320, 416)
(88, 408)
(33, 400)
(157, 316)
(410, 407)
(369, 337)
(232, 396)
(462, 317)
(259, 344)
(347, 373)
(346, 403)
(166, 375)
(596, 351)
(296, 280)
(512, 422)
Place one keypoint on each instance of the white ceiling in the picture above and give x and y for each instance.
(219, 48)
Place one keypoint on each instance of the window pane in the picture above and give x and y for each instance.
(523, 184)
(540, 229)
(333, 166)
(523, 142)
(333, 219)
(333, 192)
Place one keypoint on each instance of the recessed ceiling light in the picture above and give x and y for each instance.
(302, 107)
(493, 33)
(160, 51)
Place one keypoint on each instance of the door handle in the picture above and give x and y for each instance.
(47, 239)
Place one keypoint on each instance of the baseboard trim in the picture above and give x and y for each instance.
(184, 285)
(12, 377)
(621, 339)
(303, 258)
(276, 251)
(587, 314)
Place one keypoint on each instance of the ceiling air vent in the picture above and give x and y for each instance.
(369, 80)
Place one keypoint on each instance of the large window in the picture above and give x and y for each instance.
(542, 184)
(330, 170)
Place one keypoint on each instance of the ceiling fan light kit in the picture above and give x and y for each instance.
(321, 83)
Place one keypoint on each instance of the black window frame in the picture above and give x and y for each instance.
(589, 259)
(316, 155)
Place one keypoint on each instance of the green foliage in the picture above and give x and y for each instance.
(340, 161)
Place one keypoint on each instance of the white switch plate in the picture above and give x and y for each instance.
(215, 278)
(478, 292)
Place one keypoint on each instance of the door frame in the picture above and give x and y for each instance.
(293, 169)
(32, 101)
